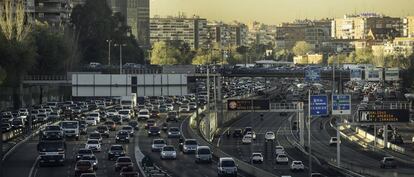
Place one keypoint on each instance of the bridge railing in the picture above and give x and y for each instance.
(46, 77)
(286, 106)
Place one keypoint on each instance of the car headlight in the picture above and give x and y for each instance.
(127, 137)
(117, 137)
(162, 153)
(169, 133)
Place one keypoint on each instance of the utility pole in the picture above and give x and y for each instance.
(120, 56)
(109, 51)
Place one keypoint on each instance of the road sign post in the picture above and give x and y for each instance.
(341, 105)
(318, 106)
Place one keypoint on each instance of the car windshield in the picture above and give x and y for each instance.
(282, 156)
(84, 151)
(143, 113)
(172, 113)
(190, 142)
(154, 129)
(123, 133)
(174, 129)
(227, 163)
(95, 136)
(168, 148)
(93, 142)
(159, 142)
(94, 115)
(48, 128)
(83, 163)
(102, 128)
(204, 151)
(117, 148)
(124, 160)
(124, 112)
(69, 124)
(126, 128)
(90, 157)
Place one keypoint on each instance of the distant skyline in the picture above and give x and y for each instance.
(277, 11)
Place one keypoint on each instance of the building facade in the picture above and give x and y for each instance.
(56, 13)
(409, 26)
(192, 31)
(359, 26)
(227, 35)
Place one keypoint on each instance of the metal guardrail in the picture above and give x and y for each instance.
(46, 78)
(296, 106)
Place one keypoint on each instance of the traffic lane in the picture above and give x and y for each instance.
(105, 166)
(361, 158)
(286, 138)
(270, 122)
(20, 162)
(183, 166)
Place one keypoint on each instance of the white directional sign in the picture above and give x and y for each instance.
(341, 104)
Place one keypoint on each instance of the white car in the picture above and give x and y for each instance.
(93, 145)
(112, 112)
(333, 141)
(91, 121)
(143, 114)
(125, 114)
(247, 139)
(279, 150)
(170, 107)
(282, 159)
(96, 116)
(168, 152)
(184, 108)
(270, 136)
(257, 157)
(253, 134)
(158, 144)
(297, 166)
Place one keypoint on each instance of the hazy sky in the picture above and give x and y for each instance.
(277, 11)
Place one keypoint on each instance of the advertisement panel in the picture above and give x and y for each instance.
(392, 74)
(386, 115)
(373, 74)
(356, 74)
(243, 105)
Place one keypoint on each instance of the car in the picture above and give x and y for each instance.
(88, 175)
(133, 124)
(95, 136)
(82, 152)
(111, 125)
(103, 130)
(129, 129)
(279, 150)
(163, 108)
(91, 158)
(226, 166)
(128, 172)
(154, 131)
(184, 108)
(121, 162)
(93, 145)
(170, 107)
(83, 128)
(237, 133)
(316, 175)
(252, 134)
(256, 157)
(174, 132)
(125, 114)
(150, 123)
(192, 106)
(247, 129)
(333, 141)
(297, 166)
(83, 166)
(112, 112)
(95, 115)
(388, 162)
(172, 116)
(91, 121)
(41, 117)
(122, 136)
(143, 114)
(190, 146)
(115, 151)
(158, 144)
(168, 152)
(282, 159)
(5, 127)
(247, 139)
(155, 114)
(270, 136)
(203, 154)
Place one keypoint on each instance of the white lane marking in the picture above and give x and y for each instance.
(33, 169)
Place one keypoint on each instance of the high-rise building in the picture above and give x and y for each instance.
(56, 13)
(192, 31)
(137, 14)
(314, 32)
(227, 35)
(260, 33)
(359, 26)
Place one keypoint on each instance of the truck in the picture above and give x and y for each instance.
(51, 150)
(70, 129)
(128, 102)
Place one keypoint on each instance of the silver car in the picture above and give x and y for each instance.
(203, 154)
(190, 145)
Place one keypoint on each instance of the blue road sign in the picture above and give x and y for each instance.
(341, 104)
(312, 74)
(318, 105)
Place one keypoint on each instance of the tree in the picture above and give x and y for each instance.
(337, 59)
(302, 48)
(94, 24)
(162, 54)
(363, 56)
(17, 51)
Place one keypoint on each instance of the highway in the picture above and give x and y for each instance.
(271, 122)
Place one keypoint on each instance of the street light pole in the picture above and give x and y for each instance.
(109, 51)
(120, 56)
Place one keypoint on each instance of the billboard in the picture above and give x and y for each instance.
(356, 74)
(392, 74)
(243, 105)
(373, 74)
(386, 116)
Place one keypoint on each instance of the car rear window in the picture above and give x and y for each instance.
(124, 160)
(227, 163)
